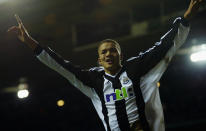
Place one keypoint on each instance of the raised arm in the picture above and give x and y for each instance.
(82, 79)
(166, 48)
(169, 43)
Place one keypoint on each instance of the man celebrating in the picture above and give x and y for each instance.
(125, 96)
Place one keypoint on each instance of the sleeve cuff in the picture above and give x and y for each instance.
(184, 21)
(38, 50)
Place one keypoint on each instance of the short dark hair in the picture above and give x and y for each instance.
(109, 41)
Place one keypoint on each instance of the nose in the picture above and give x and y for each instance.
(108, 53)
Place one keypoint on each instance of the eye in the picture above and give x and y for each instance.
(113, 50)
(103, 51)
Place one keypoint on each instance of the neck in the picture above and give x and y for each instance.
(113, 71)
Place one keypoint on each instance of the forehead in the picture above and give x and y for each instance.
(107, 45)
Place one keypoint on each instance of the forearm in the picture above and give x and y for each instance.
(31, 43)
(76, 75)
(167, 46)
(179, 34)
(65, 69)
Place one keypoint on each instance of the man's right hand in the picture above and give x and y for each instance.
(22, 34)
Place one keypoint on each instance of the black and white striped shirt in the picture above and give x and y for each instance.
(132, 93)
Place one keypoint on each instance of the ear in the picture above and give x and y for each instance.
(121, 57)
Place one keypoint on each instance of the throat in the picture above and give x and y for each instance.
(113, 72)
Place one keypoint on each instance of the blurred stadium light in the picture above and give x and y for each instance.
(60, 103)
(198, 56)
(198, 53)
(23, 88)
(193, 49)
(158, 84)
(1, 1)
(23, 93)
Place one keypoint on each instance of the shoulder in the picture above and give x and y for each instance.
(98, 69)
(97, 72)
(135, 58)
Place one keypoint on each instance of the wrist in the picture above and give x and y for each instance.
(187, 16)
(185, 21)
(31, 43)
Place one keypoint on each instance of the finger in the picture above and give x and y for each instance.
(18, 19)
(21, 25)
(200, 1)
(195, 2)
(13, 28)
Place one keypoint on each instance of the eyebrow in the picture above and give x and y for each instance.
(113, 48)
(103, 50)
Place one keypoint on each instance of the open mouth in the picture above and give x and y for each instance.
(109, 61)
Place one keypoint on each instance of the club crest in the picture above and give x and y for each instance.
(125, 80)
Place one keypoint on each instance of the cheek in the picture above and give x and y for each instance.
(100, 59)
(117, 57)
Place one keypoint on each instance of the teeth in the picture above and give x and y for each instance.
(109, 60)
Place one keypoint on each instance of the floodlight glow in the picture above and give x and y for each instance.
(23, 86)
(158, 84)
(2, 1)
(199, 56)
(198, 47)
(22, 94)
(60, 102)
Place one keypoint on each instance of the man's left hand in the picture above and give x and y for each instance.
(192, 9)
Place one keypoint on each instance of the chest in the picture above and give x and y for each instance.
(119, 89)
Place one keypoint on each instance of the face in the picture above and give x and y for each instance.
(109, 56)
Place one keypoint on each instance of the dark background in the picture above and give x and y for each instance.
(73, 28)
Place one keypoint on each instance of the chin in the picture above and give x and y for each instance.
(108, 67)
(111, 67)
